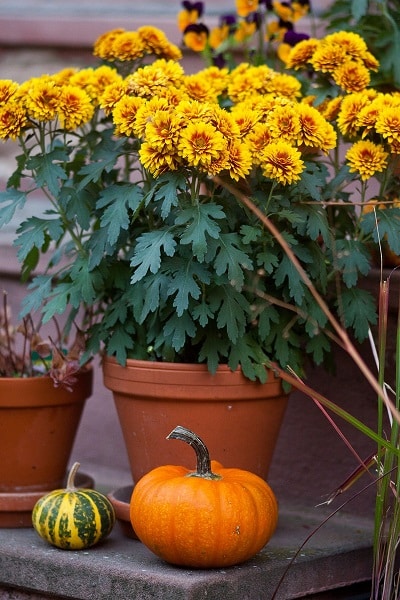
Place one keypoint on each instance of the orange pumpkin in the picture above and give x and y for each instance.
(212, 517)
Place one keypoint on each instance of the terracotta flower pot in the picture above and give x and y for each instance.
(38, 424)
(239, 420)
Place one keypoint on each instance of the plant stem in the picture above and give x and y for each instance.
(203, 468)
(71, 476)
(341, 332)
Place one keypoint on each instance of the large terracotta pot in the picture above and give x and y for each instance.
(239, 420)
(38, 423)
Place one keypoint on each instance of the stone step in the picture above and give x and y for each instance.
(124, 569)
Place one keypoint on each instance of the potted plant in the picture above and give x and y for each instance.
(141, 164)
(43, 389)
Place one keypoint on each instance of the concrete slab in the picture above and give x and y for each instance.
(121, 568)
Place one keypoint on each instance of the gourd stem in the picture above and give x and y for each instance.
(71, 476)
(203, 468)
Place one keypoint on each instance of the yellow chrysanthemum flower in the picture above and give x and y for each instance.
(217, 78)
(111, 95)
(154, 79)
(146, 112)
(42, 99)
(284, 85)
(245, 7)
(103, 77)
(350, 109)
(7, 90)
(370, 62)
(366, 159)
(327, 58)
(175, 96)
(13, 119)
(239, 160)
(281, 162)
(156, 42)
(257, 139)
(328, 137)
(245, 118)
(63, 76)
(194, 110)
(124, 114)
(128, 46)
(368, 115)
(163, 131)
(200, 144)
(329, 109)
(245, 84)
(95, 81)
(157, 162)
(198, 88)
(315, 131)
(74, 107)
(284, 123)
(224, 122)
(216, 166)
(394, 147)
(301, 54)
(354, 45)
(388, 124)
(351, 76)
(103, 46)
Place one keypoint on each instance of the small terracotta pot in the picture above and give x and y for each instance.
(16, 507)
(38, 424)
(120, 499)
(238, 419)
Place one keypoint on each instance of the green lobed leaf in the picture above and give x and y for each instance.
(184, 283)
(202, 313)
(317, 347)
(119, 342)
(199, 222)
(147, 255)
(177, 329)
(231, 260)
(116, 203)
(12, 200)
(359, 311)
(165, 191)
(287, 271)
(154, 288)
(232, 313)
(313, 222)
(36, 232)
(75, 205)
(213, 348)
(313, 179)
(384, 223)
(352, 259)
(40, 289)
(49, 174)
(250, 357)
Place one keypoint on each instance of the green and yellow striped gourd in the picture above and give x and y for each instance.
(71, 518)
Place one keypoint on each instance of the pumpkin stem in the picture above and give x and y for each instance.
(203, 468)
(71, 476)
